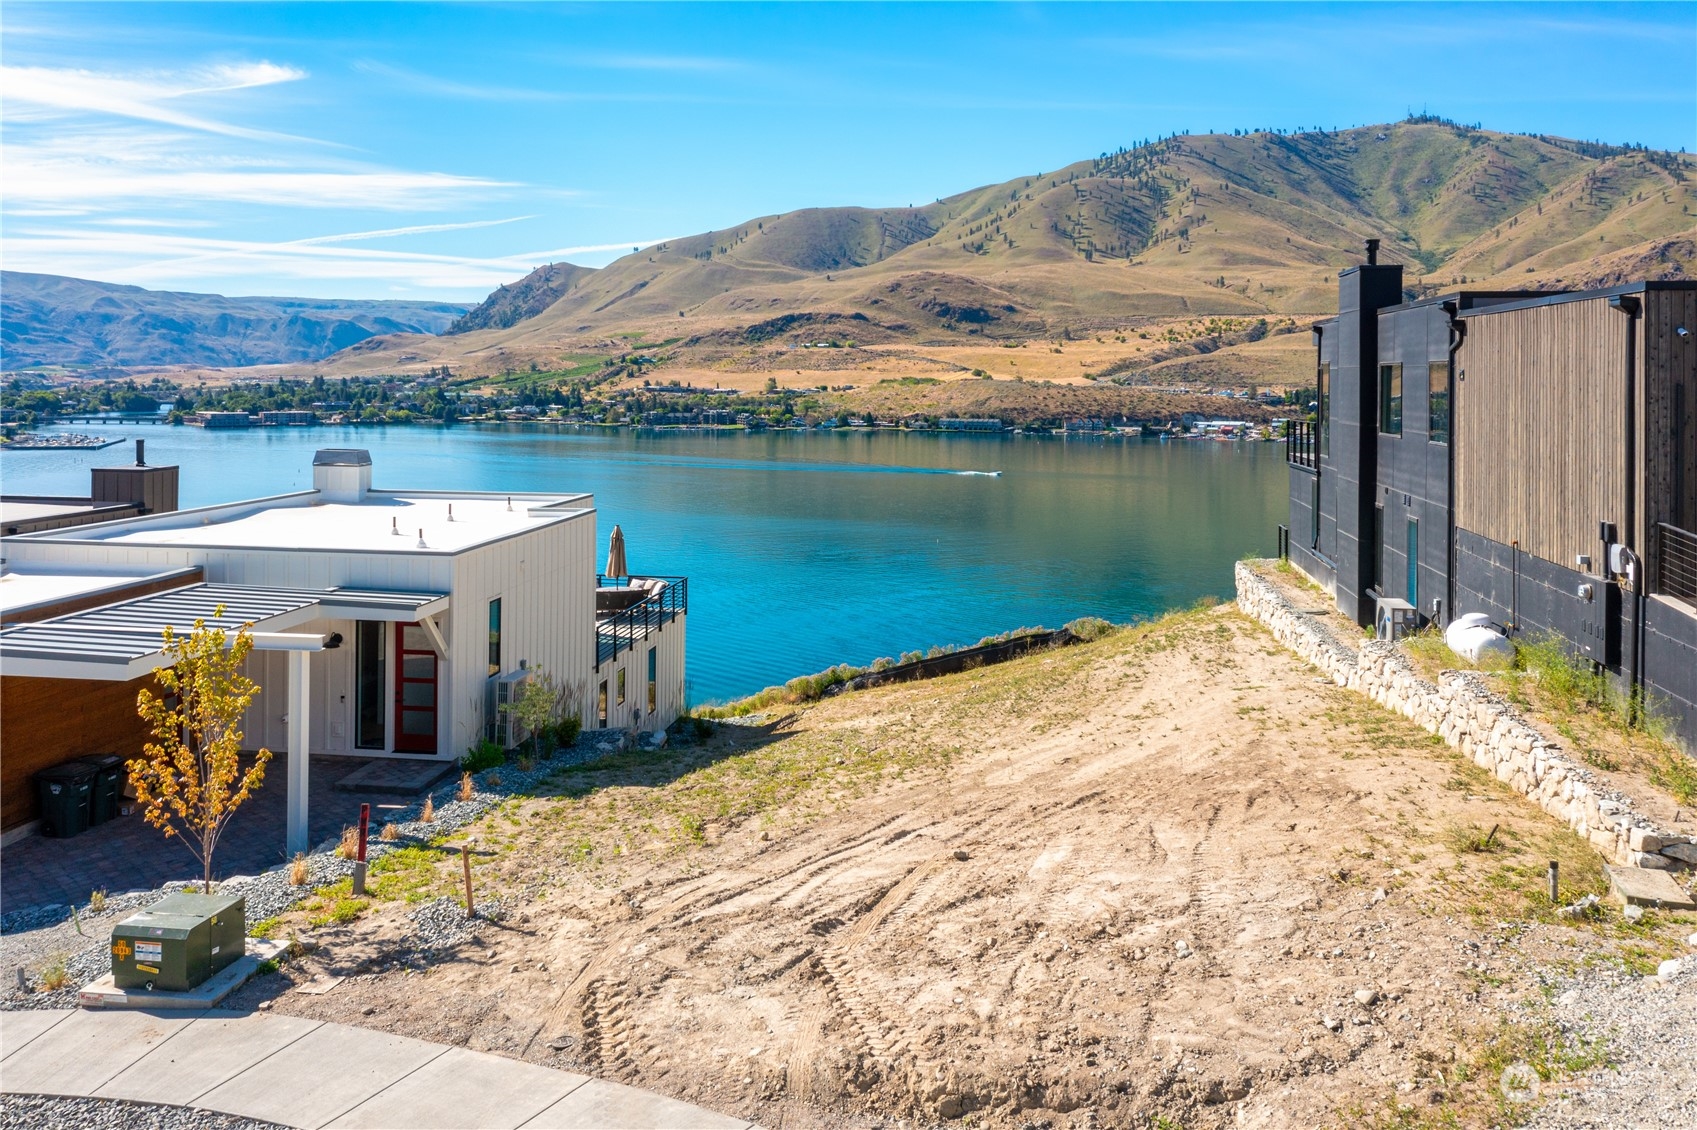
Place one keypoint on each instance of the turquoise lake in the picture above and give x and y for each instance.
(808, 549)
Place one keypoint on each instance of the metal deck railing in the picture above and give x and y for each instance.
(624, 630)
(1300, 448)
(1676, 562)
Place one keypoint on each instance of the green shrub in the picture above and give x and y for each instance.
(564, 732)
(484, 755)
(1089, 628)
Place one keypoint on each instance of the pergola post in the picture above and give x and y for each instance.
(300, 727)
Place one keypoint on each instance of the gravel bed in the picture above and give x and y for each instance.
(442, 923)
(1650, 1027)
(33, 937)
(29, 1112)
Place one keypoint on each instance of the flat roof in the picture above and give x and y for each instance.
(384, 522)
(30, 586)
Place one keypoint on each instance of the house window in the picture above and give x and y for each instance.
(1314, 516)
(1390, 400)
(1378, 549)
(369, 685)
(601, 705)
(1324, 402)
(621, 677)
(653, 682)
(1438, 396)
(495, 636)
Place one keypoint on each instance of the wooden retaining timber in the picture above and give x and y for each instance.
(957, 661)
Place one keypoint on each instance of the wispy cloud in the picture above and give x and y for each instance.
(444, 87)
(152, 258)
(450, 88)
(131, 170)
(415, 229)
(45, 91)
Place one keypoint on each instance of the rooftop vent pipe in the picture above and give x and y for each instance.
(1372, 253)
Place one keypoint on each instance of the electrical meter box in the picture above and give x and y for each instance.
(179, 941)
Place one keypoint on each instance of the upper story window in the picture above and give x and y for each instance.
(1324, 409)
(1390, 400)
(495, 636)
(1438, 397)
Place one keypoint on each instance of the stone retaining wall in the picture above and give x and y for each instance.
(1464, 712)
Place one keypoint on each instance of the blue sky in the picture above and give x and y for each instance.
(436, 151)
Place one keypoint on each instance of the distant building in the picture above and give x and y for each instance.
(219, 419)
(965, 424)
(280, 417)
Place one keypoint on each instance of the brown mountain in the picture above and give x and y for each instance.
(1193, 226)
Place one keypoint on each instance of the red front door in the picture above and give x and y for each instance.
(415, 690)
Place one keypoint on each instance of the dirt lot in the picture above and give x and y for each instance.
(1168, 875)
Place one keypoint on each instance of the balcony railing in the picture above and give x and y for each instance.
(622, 630)
(1676, 562)
(1300, 446)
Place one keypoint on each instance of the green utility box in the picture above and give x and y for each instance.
(65, 792)
(179, 941)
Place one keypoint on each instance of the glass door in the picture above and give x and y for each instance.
(415, 690)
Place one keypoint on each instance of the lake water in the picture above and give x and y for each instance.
(805, 550)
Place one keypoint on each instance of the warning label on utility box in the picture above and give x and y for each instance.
(149, 951)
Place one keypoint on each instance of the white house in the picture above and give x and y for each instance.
(385, 620)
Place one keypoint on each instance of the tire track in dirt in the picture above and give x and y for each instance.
(692, 900)
(833, 962)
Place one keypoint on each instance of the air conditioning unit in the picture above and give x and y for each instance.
(1394, 618)
(501, 725)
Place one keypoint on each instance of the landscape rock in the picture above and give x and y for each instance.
(1469, 716)
(1365, 997)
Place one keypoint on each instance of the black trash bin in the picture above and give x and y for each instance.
(65, 791)
(108, 787)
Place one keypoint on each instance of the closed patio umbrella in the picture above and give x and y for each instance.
(616, 566)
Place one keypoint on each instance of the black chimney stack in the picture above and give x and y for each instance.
(141, 450)
(1372, 253)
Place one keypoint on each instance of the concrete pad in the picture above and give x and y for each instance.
(1641, 886)
(465, 1088)
(395, 777)
(325, 1073)
(19, 1028)
(85, 1049)
(103, 992)
(205, 1054)
(600, 1105)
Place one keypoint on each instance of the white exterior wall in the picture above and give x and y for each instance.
(668, 645)
(546, 584)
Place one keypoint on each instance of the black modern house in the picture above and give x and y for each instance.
(1528, 455)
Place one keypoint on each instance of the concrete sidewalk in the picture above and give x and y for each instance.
(308, 1074)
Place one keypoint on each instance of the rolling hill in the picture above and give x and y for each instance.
(1223, 224)
(1245, 225)
(52, 320)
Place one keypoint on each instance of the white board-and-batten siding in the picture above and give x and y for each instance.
(545, 580)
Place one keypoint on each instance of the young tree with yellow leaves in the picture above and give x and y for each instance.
(189, 779)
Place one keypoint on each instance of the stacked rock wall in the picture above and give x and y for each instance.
(1463, 711)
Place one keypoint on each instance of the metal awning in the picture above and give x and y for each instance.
(124, 641)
